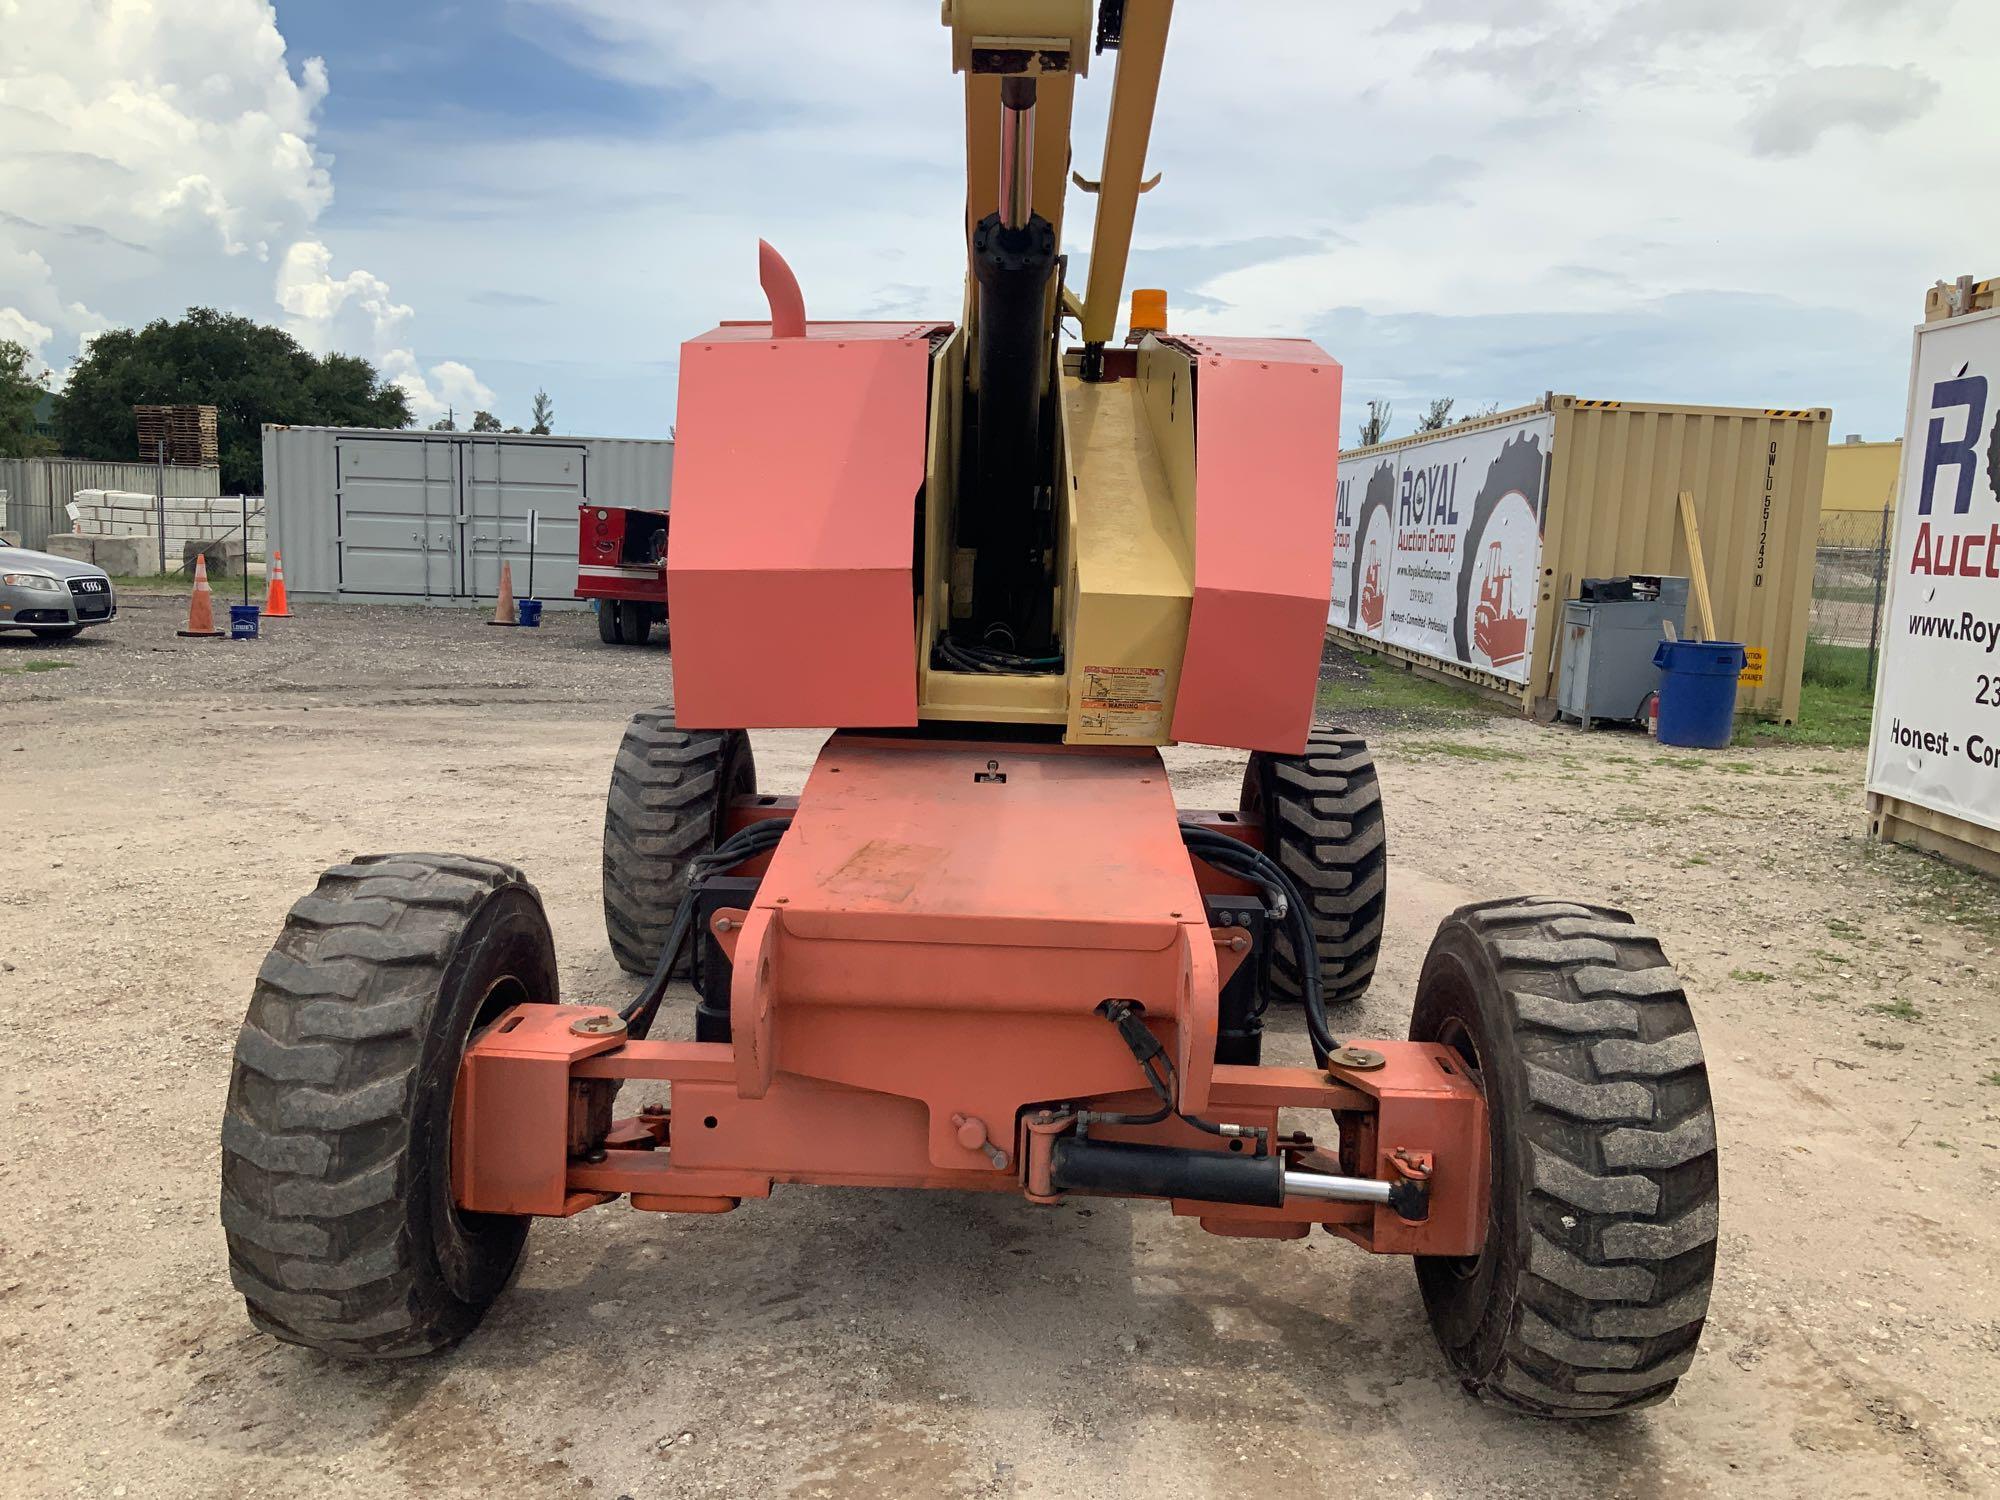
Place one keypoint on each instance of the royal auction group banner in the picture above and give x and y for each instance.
(1437, 545)
(1937, 697)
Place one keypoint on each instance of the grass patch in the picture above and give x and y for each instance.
(229, 590)
(1836, 702)
(1464, 752)
(1992, 1080)
(1694, 859)
(1898, 1009)
(1367, 682)
(1751, 976)
(34, 666)
(1840, 927)
(1939, 892)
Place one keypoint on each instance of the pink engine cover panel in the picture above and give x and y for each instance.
(1267, 448)
(796, 473)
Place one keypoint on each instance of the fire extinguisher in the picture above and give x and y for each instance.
(1653, 714)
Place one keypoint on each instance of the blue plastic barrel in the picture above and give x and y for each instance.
(243, 621)
(529, 611)
(1698, 691)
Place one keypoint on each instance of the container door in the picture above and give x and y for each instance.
(397, 502)
(507, 483)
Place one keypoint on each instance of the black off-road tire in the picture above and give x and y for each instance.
(609, 630)
(670, 793)
(1589, 1296)
(1322, 814)
(336, 1172)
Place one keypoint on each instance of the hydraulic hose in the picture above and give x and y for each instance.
(1286, 904)
(745, 844)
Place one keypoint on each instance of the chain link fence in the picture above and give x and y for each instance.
(1850, 576)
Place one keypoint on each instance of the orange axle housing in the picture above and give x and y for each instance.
(915, 1002)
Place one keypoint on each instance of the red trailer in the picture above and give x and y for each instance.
(621, 562)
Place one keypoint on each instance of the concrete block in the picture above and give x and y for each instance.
(114, 554)
(68, 544)
(126, 554)
(224, 554)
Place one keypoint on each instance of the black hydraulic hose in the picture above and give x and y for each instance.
(993, 660)
(743, 845)
(1287, 904)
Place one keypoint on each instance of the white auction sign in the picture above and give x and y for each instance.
(1437, 545)
(1937, 700)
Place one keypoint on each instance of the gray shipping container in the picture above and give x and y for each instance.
(401, 516)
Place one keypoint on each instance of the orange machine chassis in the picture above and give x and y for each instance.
(917, 1000)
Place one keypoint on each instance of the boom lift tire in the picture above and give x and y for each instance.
(336, 1169)
(1322, 814)
(670, 791)
(1589, 1296)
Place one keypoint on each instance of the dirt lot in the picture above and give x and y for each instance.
(166, 801)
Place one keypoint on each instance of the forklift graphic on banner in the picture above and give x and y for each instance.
(1499, 625)
(1373, 600)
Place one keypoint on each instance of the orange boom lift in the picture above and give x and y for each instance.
(984, 951)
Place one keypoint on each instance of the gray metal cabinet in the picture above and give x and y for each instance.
(1608, 640)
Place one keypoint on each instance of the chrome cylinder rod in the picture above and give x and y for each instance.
(1335, 1189)
(1017, 151)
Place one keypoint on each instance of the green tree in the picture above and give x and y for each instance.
(542, 414)
(1377, 426)
(19, 391)
(485, 421)
(249, 372)
(446, 423)
(1438, 416)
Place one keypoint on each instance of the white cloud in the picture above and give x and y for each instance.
(16, 327)
(356, 313)
(154, 156)
(1863, 96)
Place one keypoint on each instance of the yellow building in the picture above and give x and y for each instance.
(1860, 477)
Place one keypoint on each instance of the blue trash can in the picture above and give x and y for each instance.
(1698, 692)
(529, 612)
(243, 621)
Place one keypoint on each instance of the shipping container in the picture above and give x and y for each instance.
(1456, 550)
(1934, 754)
(414, 516)
(39, 490)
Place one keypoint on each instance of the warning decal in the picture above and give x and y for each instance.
(1752, 674)
(1123, 702)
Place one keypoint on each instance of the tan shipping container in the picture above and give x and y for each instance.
(1615, 474)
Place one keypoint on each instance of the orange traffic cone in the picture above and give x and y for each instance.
(201, 607)
(504, 612)
(275, 607)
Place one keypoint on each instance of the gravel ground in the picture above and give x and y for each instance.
(168, 800)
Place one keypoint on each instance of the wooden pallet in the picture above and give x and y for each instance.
(176, 434)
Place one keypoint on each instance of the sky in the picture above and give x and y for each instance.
(1711, 201)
